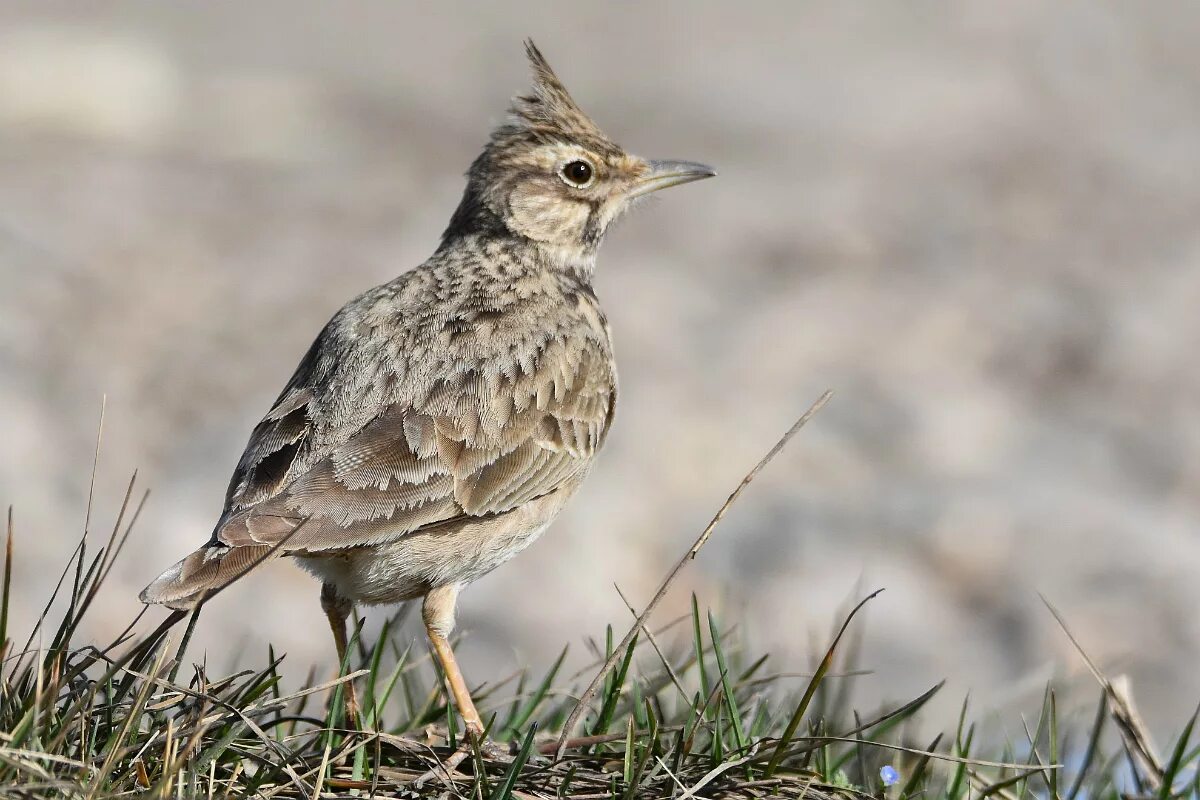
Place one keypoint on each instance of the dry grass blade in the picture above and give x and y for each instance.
(985, 789)
(1129, 723)
(618, 651)
(279, 702)
(972, 762)
(713, 774)
(650, 637)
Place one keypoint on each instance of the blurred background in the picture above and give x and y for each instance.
(977, 224)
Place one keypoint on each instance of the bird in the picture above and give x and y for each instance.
(440, 421)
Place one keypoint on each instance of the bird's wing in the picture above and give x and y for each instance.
(474, 441)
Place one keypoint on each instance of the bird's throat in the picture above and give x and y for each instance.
(578, 260)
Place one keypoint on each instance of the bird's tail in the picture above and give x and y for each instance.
(202, 574)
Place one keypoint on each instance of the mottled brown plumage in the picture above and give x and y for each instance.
(440, 421)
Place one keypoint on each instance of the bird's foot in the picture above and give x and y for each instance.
(446, 768)
(493, 751)
(475, 729)
(476, 737)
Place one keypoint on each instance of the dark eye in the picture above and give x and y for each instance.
(577, 173)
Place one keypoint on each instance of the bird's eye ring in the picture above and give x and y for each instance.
(577, 173)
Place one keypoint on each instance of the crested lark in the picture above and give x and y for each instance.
(440, 421)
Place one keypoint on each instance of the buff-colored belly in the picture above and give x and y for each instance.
(414, 563)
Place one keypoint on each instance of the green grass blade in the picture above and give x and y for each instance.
(962, 749)
(8, 567)
(794, 723)
(371, 705)
(912, 787)
(1173, 766)
(530, 706)
(627, 759)
(698, 641)
(613, 693)
(1051, 775)
(731, 705)
(504, 791)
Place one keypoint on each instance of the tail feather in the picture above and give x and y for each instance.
(204, 572)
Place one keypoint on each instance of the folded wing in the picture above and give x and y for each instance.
(475, 441)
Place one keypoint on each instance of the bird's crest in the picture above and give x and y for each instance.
(549, 109)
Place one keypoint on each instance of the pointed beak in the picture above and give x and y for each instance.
(663, 174)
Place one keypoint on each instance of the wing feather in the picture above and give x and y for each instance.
(478, 442)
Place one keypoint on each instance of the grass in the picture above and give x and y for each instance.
(678, 711)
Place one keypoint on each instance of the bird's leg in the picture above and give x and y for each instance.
(438, 613)
(337, 608)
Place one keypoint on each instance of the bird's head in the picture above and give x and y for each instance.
(549, 175)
